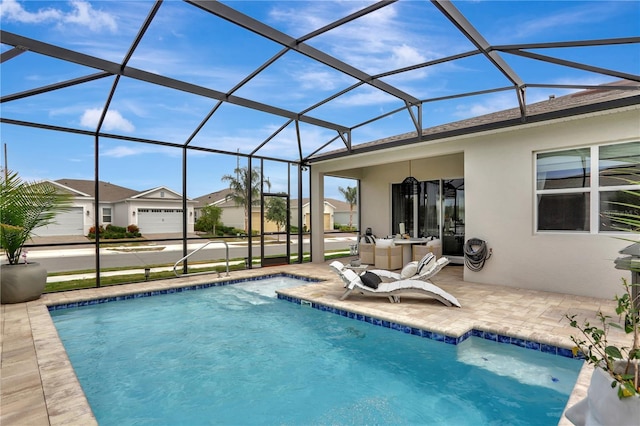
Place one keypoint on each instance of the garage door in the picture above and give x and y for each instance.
(159, 221)
(327, 221)
(69, 222)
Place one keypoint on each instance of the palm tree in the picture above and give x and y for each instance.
(25, 206)
(351, 196)
(239, 185)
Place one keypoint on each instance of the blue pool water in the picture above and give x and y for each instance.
(237, 355)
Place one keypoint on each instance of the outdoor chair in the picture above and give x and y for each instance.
(370, 284)
(387, 255)
(433, 246)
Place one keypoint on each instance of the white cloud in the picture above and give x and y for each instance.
(316, 79)
(557, 20)
(376, 42)
(120, 152)
(82, 14)
(113, 121)
(488, 105)
(134, 149)
(11, 10)
(365, 97)
(86, 16)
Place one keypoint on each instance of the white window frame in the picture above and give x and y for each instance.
(593, 190)
(104, 214)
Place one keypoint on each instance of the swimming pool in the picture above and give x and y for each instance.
(229, 355)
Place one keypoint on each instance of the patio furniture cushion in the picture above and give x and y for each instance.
(409, 270)
(369, 239)
(384, 243)
(425, 262)
(370, 279)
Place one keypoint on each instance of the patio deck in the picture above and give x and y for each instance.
(39, 386)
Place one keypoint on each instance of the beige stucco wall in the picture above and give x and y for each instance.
(499, 191)
(498, 168)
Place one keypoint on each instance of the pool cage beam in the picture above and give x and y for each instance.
(229, 14)
(468, 30)
(148, 77)
(103, 116)
(55, 86)
(577, 65)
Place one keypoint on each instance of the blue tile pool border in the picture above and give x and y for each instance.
(98, 301)
(499, 338)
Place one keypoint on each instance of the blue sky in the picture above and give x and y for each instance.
(187, 43)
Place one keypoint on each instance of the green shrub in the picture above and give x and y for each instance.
(112, 232)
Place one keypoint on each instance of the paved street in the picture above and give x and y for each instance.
(82, 257)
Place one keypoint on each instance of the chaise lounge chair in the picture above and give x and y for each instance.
(423, 270)
(363, 284)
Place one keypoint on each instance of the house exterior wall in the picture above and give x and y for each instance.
(498, 168)
(343, 218)
(233, 216)
(500, 200)
(328, 216)
(122, 216)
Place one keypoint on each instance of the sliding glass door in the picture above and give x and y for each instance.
(429, 209)
(437, 210)
(453, 217)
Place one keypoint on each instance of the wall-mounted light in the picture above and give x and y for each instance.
(134, 213)
(88, 212)
(190, 213)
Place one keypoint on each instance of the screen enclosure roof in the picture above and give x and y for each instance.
(298, 81)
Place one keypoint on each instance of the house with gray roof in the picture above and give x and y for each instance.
(537, 189)
(155, 211)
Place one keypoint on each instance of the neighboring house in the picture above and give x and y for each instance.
(342, 213)
(154, 211)
(534, 190)
(233, 215)
(335, 212)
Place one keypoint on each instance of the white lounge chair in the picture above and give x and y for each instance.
(392, 290)
(423, 270)
(411, 272)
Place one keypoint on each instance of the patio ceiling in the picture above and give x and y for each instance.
(471, 66)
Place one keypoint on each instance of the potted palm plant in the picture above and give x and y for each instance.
(24, 206)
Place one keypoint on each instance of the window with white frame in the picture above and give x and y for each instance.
(587, 189)
(106, 215)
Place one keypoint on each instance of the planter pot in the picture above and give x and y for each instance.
(22, 283)
(602, 405)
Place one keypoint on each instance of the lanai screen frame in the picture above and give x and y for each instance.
(413, 106)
